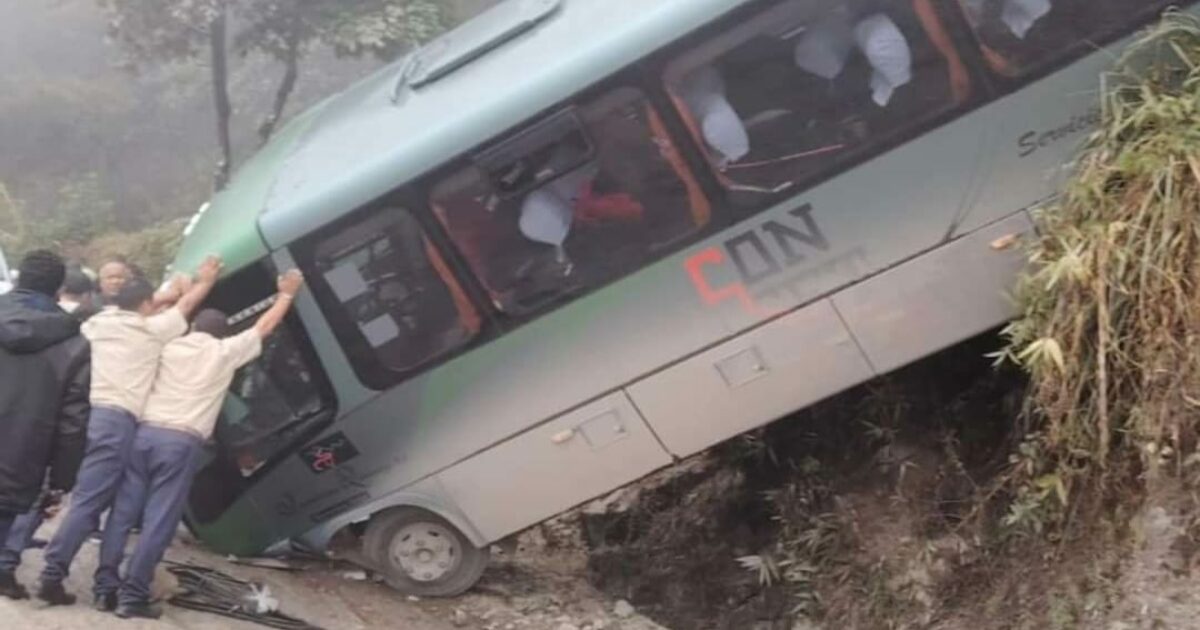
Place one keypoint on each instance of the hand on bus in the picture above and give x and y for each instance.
(181, 283)
(209, 270)
(291, 282)
(174, 291)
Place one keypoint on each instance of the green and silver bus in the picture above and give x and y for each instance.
(574, 241)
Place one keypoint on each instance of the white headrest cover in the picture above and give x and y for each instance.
(723, 130)
(546, 218)
(888, 53)
(824, 48)
(1021, 15)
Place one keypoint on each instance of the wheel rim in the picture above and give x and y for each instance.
(426, 552)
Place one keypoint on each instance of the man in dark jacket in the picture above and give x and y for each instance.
(44, 380)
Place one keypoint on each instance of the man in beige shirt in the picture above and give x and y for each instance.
(127, 340)
(194, 374)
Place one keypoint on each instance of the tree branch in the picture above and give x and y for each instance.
(218, 34)
(286, 86)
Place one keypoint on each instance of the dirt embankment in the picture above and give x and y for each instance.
(871, 511)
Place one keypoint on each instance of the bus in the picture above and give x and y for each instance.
(574, 241)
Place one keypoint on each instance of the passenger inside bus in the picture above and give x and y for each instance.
(781, 97)
(1016, 36)
(604, 198)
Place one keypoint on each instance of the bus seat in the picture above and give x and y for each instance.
(825, 47)
(546, 218)
(693, 126)
(467, 315)
(887, 50)
(697, 200)
(720, 125)
(1020, 15)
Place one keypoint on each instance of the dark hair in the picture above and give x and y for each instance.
(212, 322)
(134, 294)
(77, 283)
(42, 271)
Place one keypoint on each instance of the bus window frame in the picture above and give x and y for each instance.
(632, 77)
(983, 92)
(1006, 85)
(373, 373)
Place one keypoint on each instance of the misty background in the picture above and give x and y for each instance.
(99, 159)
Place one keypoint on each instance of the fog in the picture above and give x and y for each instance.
(89, 146)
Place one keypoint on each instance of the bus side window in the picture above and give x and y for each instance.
(571, 202)
(389, 296)
(1018, 37)
(780, 97)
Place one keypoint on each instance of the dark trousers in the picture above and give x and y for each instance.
(6, 521)
(110, 434)
(161, 466)
(24, 526)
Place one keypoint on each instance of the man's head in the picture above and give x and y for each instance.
(41, 271)
(113, 277)
(210, 321)
(136, 295)
(77, 285)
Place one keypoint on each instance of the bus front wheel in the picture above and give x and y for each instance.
(421, 553)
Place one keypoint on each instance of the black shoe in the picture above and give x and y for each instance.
(105, 603)
(138, 611)
(11, 588)
(54, 594)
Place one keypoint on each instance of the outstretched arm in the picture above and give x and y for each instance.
(206, 278)
(179, 286)
(960, 77)
(289, 285)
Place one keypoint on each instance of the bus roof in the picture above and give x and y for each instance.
(364, 142)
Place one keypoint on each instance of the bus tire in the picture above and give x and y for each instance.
(420, 553)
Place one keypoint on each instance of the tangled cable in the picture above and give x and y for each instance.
(209, 590)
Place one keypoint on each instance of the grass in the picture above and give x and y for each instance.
(1112, 304)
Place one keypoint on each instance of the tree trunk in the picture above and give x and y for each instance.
(286, 86)
(220, 85)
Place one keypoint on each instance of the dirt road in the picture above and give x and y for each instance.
(514, 595)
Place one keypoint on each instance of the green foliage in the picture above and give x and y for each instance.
(356, 28)
(155, 31)
(1112, 304)
(161, 30)
(12, 221)
(158, 31)
(151, 248)
(83, 210)
(82, 227)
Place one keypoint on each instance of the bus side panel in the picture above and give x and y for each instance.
(939, 299)
(753, 379)
(582, 454)
(1034, 136)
